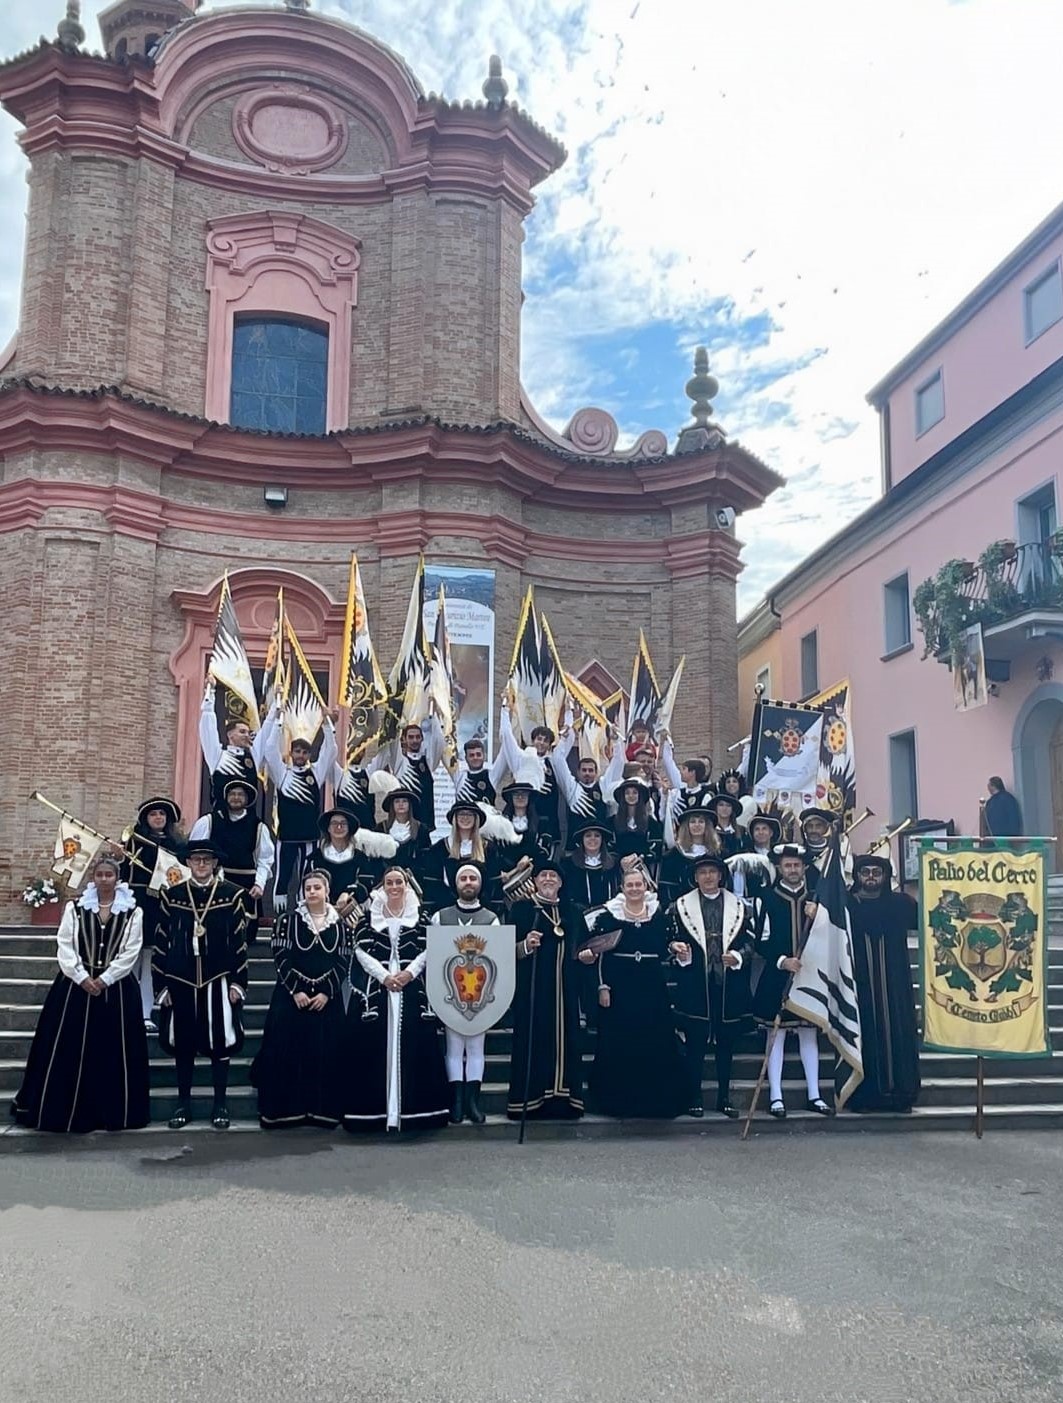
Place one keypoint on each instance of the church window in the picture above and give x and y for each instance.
(279, 375)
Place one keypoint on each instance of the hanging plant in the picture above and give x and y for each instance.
(1002, 600)
(942, 611)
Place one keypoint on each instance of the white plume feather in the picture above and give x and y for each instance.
(749, 863)
(381, 783)
(496, 827)
(375, 844)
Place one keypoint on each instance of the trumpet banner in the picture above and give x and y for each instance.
(983, 950)
(836, 781)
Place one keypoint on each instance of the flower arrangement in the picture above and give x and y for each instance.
(40, 892)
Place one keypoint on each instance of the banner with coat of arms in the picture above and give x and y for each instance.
(470, 975)
(983, 956)
(836, 781)
(784, 754)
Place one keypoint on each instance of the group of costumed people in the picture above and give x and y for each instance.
(653, 905)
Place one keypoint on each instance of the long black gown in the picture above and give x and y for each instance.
(889, 1031)
(397, 1078)
(88, 1063)
(638, 1068)
(300, 1070)
(555, 1077)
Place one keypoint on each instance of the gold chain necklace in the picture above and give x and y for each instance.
(199, 927)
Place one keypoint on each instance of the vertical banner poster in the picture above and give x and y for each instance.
(470, 593)
(836, 782)
(784, 754)
(969, 686)
(983, 935)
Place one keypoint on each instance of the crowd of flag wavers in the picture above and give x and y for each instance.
(656, 910)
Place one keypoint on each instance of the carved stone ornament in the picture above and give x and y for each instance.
(289, 128)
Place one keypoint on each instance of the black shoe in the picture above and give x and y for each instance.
(778, 1110)
(181, 1116)
(457, 1102)
(820, 1107)
(472, 1103)
(219, 1116)
(725, 1108)
(696, 1111)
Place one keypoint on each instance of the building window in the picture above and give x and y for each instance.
(809, 664)
(904, 794)
(279, 375)
(1036, 516)
(929, 403)
(897, 614)
(1043, 303)
(764, 681)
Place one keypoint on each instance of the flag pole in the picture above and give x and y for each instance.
(768, 1045)
(527, 1060)
(88, 829)
(979, 1109)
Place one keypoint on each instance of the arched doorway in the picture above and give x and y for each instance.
(1038, 754)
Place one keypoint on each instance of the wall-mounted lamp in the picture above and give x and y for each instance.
(275, 498)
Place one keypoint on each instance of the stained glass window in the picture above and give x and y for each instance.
(280, 375)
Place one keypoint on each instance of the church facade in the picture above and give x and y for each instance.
(270, 314)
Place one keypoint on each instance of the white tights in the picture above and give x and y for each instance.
(809, 1048)
(465, 1057)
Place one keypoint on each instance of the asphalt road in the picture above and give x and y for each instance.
(253, 1267)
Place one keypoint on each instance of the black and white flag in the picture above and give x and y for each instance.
(824, 991)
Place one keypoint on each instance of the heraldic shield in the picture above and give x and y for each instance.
(471, 975)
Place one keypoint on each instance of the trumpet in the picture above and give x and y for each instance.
(517, 883)
(868, 813)
(887, 838)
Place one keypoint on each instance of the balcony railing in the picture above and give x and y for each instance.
(1007, 581)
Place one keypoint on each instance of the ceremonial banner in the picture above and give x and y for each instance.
(441, 683)
(645, 690)
(228, 666)
(836, 780)
(470, 627)
(784, 751)
(168, 872)
(304, 706)
(983, 953)
(470, 975)
(824, 990)
(75, 848)
(362, 687)
(407, 702)
(969, 689)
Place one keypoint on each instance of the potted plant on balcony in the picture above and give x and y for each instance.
(1002, 598)
(40, 896)
(942, 611)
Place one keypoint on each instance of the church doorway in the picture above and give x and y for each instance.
(1038, 753)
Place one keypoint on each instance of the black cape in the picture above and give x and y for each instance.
(550, 1032)
(300, 1070)
(200, 1017)
(888, 1027)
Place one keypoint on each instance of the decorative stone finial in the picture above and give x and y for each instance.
(701, 387)
(495, 86)
(297, 7)
(69, 32)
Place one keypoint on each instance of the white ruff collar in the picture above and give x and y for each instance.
(331, 915)
(379, 915)
(124, 900)
(616, 906)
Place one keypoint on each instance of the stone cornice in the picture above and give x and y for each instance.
(108, 421)
(145, 516)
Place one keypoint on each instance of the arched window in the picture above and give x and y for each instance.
(121, 50)
(151, 43)
(279, 374)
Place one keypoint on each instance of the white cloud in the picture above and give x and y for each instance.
(840, 172)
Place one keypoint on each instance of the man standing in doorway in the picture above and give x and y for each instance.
(1003, 817)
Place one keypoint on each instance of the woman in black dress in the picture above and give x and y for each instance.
(300, 1070)
(638, 1069)
(351, 856)
(692, 837)
(396, 1074)
(88, 1063)
(413, 839)
(155, 830)
(635, 829)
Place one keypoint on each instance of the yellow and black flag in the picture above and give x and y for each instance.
(229, 667)
(304, 706)
(645, 690)
(407, 700)
(362, 688)
(441, 685)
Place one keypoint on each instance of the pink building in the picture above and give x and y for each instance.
(972, 444)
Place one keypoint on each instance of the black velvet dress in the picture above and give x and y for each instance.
(547, 1044)
(638, 1068)
(889, 1032)
(300, 1070)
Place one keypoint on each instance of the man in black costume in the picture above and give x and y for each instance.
(200, 970)
(881, 919)
(711, 942)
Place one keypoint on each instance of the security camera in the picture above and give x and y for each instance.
(724, 518)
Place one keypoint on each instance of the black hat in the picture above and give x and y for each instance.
(825, 814)
(465, 806)
(873, 860)
(591, 825)
(326, 818)
(782, 850)
(700, 804)
(638, 782)
(201, 845)
(724, 776)
(773, 823)
(713, 860)
(548, 864)
(168, 805)
(733, 800)
(245, 784)
(400, 793)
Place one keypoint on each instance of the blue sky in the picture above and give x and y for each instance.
(806, 189)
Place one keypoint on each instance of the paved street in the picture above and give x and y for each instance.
(798, 1268)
